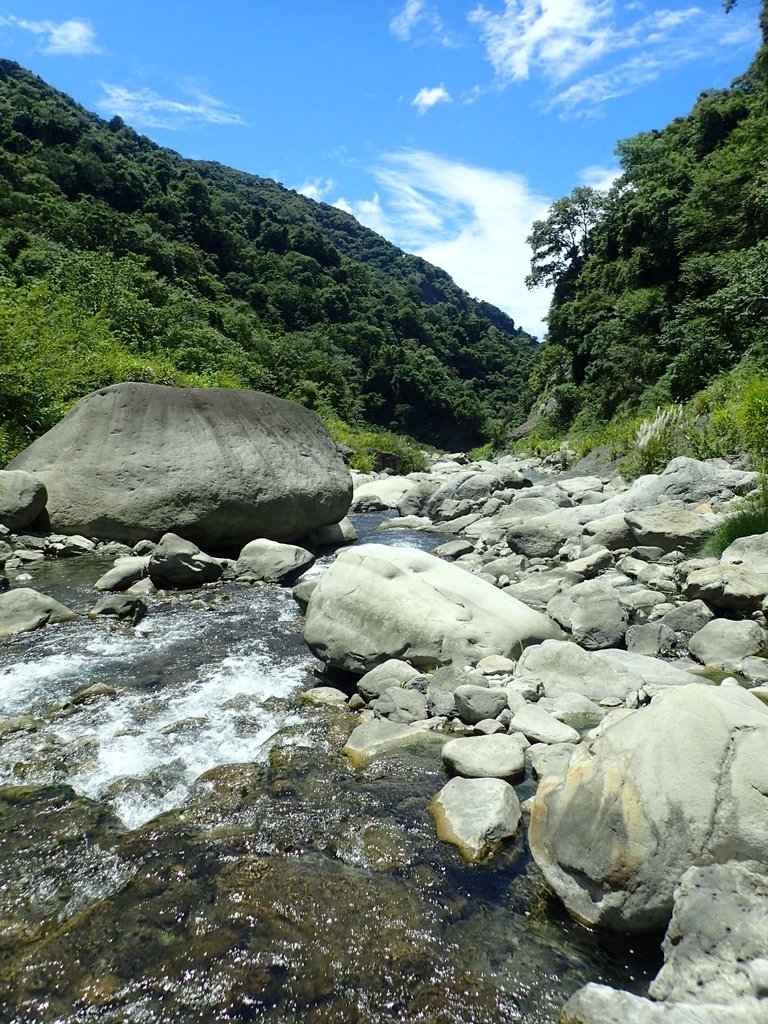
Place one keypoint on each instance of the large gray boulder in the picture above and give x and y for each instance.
(751, 552)
(24, 609)
(716, 945)
(723, 642)
(599, 1004)
(377, 602)
(216, 466)
(681, 782)
(22, 498)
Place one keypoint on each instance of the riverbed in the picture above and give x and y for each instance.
(189, 845)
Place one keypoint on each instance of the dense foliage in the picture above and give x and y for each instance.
(121, 260)
(661, 284)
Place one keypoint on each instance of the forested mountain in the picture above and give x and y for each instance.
(122, 260)
(662, 283)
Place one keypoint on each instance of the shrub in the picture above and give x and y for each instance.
(747, 521)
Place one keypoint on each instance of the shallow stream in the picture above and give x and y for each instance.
(191, 846)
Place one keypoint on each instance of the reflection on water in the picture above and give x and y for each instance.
(276, 884)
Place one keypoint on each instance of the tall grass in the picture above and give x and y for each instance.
(747, 521)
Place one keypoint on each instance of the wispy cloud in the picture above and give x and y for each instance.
(426, 98)
(418, 21)
(616, 48)
(599, 177)
(317, 188)
(72, 38)
(472, 221)
(144, 108)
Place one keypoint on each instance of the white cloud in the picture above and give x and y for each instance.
(404, 22)
(599, 177)
(419, 22)
(560, 39)
(145, 108)
(317, 188)
(471, 221)
(72, 38)
(426, 98)
(342, 204)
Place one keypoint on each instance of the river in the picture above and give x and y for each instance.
(191, 846)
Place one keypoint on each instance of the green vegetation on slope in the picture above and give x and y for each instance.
(661, 284)
(121, 260)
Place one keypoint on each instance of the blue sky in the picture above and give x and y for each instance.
(445, 125)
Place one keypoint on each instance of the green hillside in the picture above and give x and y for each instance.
(661, 285)
(122, 260)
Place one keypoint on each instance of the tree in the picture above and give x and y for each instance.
(561, 242)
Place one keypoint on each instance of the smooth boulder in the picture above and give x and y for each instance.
(24, 609)
(681, 782)
(216, 466)
(377, 602)
(272, 562)
(178, 563)
(475, 815)
(22, 498)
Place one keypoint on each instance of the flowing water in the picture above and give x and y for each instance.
(189, 845)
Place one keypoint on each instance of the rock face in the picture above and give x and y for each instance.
(377, 602)
(679, 783)
(22, 499)
(216, 466)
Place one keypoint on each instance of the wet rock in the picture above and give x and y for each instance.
(485, 757)
(93, 692)
(121, 606)
(676, 783)
(324, 696)
(124, 573)
(184, 460)
(271, 562)
(23, 610)
(475, 815)
(22, 498)
(377, 602)
(718, 931)
(379, 736)
(724, 641)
